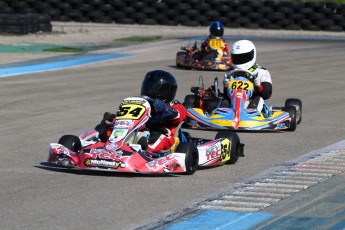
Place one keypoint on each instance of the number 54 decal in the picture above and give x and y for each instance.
(133, 112)
(225, 150)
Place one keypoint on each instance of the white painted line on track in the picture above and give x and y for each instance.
(283, 182)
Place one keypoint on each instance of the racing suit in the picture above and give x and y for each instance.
(263, 88)
(162, 126)
(206, 49)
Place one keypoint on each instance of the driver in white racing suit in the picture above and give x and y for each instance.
(243, 55)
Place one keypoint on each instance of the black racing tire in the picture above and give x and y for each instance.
(264, 9)
(139, 5)
(271, 26)
(225, 104)
(192, 13)
(305, 22)
(245, 9)
(45, 27)
(292, 27)
(292, 112)
(182, 7)
(126, 21)
(180, 53)
(286, 10)
(274, 16)
(42, 18)
(71, 142)
(147, 21)
(203, 6)
(263, 21)
(254, 16)
(139, 16)
(324, 23)
(297, 103)
(223, 9)
(252, 26)
(160, 6)
(213, 15)
(333, 28)
(182, 18)
(168, 22)
(189, 101)
(242, 20)
(192, 156)
(143, 142)
(316, 16)
(285, 22)
(305, 10)
(190, 23)
(235, 149)
(314, 4)
(102, 19)
(296, 16)
(18, 30)
(311, 27)
(232, 25)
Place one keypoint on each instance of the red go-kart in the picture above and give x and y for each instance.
(125, 149)
(191, 57)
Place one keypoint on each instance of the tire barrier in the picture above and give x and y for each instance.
(20, 24)
(251, 14)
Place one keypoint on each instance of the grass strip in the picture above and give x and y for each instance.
(64, 49)
(139, 39)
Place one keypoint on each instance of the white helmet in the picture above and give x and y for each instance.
(243, 54)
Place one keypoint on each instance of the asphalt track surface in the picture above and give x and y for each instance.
(36, 109)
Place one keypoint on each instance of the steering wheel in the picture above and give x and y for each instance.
(249, 75)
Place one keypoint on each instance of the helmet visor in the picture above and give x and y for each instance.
(239, 59)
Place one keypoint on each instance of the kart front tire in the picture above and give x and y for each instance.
(292, 112)
(235, 149)
(189, 101)
(177, 56)
(71, 142)
(297, 103)
(192, 156)
(225, 104)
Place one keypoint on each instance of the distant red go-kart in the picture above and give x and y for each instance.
(191, 57)
(125, 150)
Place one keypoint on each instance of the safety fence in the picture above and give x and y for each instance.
(287, 15)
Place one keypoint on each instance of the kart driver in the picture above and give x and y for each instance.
(243, 55)
(159, 87)
(216, 32)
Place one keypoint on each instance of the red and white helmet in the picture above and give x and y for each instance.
(243, 54)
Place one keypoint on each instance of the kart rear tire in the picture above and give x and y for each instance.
(235, 149)
(189, 101)
(177, 55)
(71, 142)
(144, 143)
(292, 112)
(192, 156)
(297, 103)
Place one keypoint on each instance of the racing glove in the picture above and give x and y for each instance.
(257, 84)
(105, 126)
(108, 118)
(162, 110)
